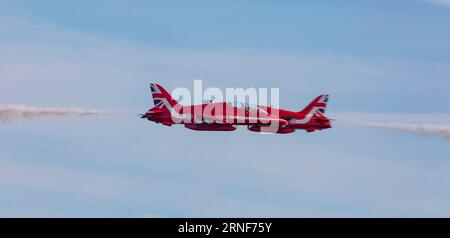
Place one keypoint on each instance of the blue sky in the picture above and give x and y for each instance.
(374, 57)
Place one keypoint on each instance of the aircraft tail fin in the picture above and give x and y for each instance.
(318, 105)
(161, 98)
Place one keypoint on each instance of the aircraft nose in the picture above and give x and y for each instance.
(144, 115)
(327, 125)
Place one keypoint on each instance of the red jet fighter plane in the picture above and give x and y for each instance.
(223, 116)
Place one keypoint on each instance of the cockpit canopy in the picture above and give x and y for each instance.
(247, 106)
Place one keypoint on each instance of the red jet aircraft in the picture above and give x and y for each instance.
(223, 116)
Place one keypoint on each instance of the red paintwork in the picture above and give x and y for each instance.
(223, 117)
(282, 130)
(210, 127)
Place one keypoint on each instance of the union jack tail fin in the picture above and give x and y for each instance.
(317, 106)
(161, 98)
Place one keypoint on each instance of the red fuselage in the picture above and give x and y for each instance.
(223, 117)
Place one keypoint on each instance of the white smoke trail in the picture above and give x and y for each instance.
(435, 130)
(20, 112)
